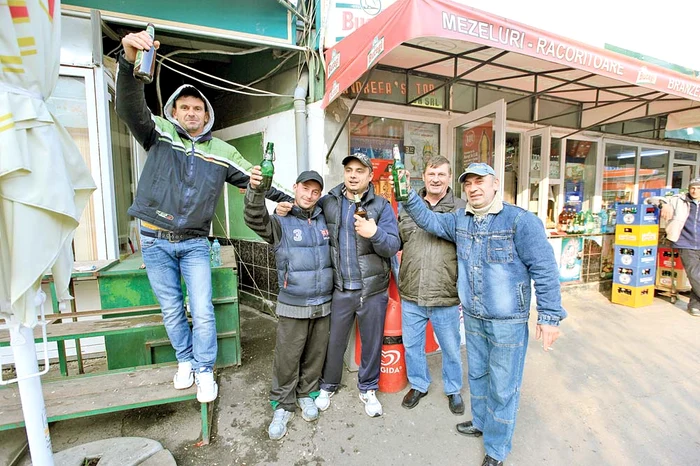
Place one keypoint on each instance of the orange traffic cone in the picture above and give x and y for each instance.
(392, 375)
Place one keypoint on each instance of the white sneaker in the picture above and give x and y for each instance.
(323, 400)
(207, 389)
(373, 407)
(278, 426)
(309, 410)
(184, 378)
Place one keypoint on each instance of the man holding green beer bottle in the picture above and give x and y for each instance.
(178, 190)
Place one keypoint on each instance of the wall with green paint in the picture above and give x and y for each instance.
(266, 18)
(251, 148)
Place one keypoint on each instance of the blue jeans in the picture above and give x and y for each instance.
(445, 320)
(496, 357)
(166, 263)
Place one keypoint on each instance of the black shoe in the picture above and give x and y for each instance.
(412, 398)
(488, 461)
(456, 403)
(468, 429)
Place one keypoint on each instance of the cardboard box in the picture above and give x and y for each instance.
(645, 193)
(635, 256)
(666, 277)
(632, 296)
(634, 276)
(636, 235)
(637, 214)
(665, 259)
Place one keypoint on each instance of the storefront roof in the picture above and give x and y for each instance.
(443, 38)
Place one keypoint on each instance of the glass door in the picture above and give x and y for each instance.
(535, 163)
(478, 136)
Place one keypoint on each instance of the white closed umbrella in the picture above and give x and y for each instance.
(44, 186)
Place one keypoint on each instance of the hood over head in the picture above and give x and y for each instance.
(168, 109)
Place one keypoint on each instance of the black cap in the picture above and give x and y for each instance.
(310, 175)
(362, 158)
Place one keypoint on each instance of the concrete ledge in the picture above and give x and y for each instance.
(14, 445)
(118, 451)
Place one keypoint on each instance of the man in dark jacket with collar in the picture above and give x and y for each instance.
(428, 288)
(361, 250)
(305, 276)
(175, 200)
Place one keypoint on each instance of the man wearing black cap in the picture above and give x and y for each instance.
(683, 230)
(361, 250)
(305, 276)
(175, 200)
(501, 250)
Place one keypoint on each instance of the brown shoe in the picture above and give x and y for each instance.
(468, 429)
(412, 398)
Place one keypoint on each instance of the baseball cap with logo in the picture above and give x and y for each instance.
(362, 158)
(694, 182)
(477, 168)
(310, 175)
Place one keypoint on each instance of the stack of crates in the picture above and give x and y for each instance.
(634, 267)
(671, 269)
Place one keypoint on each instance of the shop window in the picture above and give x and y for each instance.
(548, 110)
(640, 128)
(689, 156)
(618, 174)
(463, 97)
(122, 160)
(579, 176)
(653, 168)
(376, 136)
(384, 86)
(512, 168)
(431, 90)
(520, 110)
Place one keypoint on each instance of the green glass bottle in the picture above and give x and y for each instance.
(267, 167)
(400, 181)
(145, 63)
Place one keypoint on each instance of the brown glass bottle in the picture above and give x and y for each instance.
(359, 210)
(145, 63)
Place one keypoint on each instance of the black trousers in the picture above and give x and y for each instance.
(370, 316)
(691, 264)
(299, 355)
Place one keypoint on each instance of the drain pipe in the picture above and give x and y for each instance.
(302, 134)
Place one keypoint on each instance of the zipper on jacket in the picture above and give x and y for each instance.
(286, 274)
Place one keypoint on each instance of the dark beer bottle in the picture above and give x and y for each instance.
(359, 209)
(145, 63)
(267, 167)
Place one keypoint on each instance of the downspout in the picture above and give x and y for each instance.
(302, 136)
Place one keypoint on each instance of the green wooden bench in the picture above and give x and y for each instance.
(140, 359)
(101, 393)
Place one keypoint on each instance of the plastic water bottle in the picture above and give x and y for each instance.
(216, 253)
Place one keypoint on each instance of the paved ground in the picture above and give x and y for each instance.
(621, 388)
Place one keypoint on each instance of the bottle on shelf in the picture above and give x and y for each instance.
(267, 167)
(603, 220)
(145, 63)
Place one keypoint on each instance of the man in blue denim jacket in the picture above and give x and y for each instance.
(501, 249)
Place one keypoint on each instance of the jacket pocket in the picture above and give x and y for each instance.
(500, 249)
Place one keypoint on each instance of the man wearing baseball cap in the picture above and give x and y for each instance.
(682, 227)
(361, 250)
(501, 250)
(305, 276)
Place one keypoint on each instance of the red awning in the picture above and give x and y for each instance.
(444, 38)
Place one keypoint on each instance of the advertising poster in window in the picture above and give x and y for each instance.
(570, 262)
(420, 142)
(477, 144)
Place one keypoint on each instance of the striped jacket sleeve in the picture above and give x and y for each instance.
(258, 219)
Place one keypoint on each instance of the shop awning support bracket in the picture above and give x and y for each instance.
(347, 117)
(598, 123)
